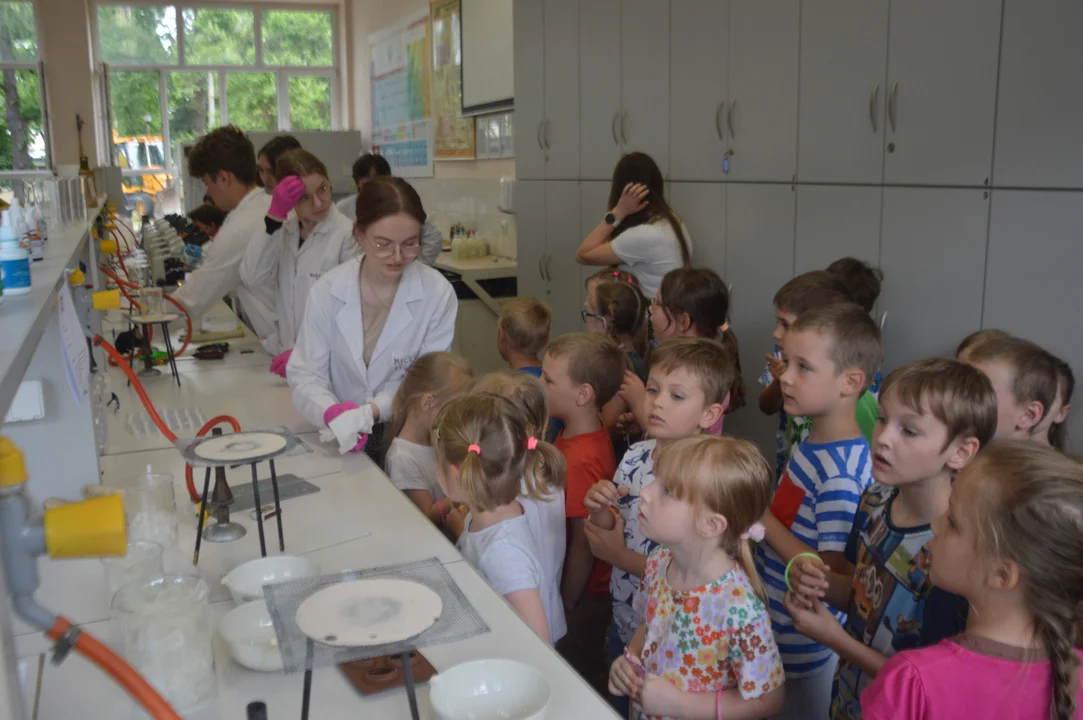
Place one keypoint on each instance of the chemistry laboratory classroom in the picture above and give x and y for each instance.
(541, 359)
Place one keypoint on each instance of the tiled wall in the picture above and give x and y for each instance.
(472, 202)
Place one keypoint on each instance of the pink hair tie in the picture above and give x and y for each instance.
(531, 443)
(473, 449)
(756, 532)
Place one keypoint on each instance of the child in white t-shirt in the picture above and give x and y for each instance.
(542, 489)
(483, 451)
(431, 381)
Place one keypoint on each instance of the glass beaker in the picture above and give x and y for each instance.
(166, 636)
(151, 299)
(143, 562)
(151, 508)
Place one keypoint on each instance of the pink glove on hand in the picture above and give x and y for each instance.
(286, 195)
(278, 365)
(334, 411)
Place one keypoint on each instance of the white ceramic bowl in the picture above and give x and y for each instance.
(490, 690)
(245, 582)
(250, 634)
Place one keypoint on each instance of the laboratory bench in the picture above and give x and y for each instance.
(356, 520)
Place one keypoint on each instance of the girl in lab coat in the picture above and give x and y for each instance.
(367, 320)
(299, 248)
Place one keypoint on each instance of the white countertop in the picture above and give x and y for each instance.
(484, 268)
(357, 520)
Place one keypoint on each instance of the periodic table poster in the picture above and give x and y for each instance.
(401, 95)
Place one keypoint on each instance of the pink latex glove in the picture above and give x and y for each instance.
(334, 411)
(286, 195)
(278, 365)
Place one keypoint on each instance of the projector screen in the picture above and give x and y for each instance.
(488, 60)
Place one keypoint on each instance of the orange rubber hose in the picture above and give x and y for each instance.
(123, 673)
(188, 479)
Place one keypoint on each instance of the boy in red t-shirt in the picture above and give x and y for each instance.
(581, 373)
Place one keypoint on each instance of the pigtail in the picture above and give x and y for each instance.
(748, 564)
(737, 388)
(398, 415)
(1059, 634)
(472, 478)
(544, 471)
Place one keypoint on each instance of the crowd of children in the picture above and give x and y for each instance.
(915, 552)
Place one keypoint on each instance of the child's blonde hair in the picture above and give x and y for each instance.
(594, 360)
(624, 309)
(525, 322)
(440, 374)
(707, 360)
(485, 437)
(976, 338)
(1029, 509)
(544, 472)
(721, 475)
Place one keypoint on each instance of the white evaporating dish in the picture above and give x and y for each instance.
(239, 447)
(376, 611)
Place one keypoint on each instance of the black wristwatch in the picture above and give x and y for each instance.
(611, 219)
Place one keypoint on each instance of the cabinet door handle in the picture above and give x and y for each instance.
(729, 119)
(623, 120)
(718, 119)
(613, 127)
(541, 123)
(541, 259)
(548, 123)
(872, 106)
(891, 104)
(548, 276)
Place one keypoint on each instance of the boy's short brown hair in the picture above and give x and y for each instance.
(525, 322)
(956, 394)
(855, 339)
(225, 148)
(712, 364)
(812, 290)
(594, 360)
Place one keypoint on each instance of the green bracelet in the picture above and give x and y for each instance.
(791, 562)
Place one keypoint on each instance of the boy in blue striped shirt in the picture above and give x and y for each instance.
(831, 355)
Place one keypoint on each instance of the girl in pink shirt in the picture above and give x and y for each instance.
(1011, 544)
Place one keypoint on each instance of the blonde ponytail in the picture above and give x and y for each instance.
(544, 471)
(748, 564)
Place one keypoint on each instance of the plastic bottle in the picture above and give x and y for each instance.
(100, 407)
(22, 227)
(14, 259)
(14, 213)
(37, 233)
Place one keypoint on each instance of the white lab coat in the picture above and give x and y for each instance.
(326, 366)
(279, 262)
(432, 240)
(219, 274)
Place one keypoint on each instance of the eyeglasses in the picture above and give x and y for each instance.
(386, 248)
(322, 192)
(586, 315)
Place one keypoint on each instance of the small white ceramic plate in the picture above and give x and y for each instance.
(369, 612)
(240, 446)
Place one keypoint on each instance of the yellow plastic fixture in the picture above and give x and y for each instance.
(109, 247)
(12, 467)
(92, 528)
(106, 300)
(77, 278)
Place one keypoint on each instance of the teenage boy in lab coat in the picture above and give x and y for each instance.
(225, 160)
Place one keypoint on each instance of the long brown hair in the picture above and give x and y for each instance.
(721, 475)
(640, 168)
(1029, 510)
(382, 197)
(545, 466)
(624, 309)
(300, 163)
(703, 296)
(440, 374)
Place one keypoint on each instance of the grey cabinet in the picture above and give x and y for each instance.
(843, 91)
(1040, 103)
(644, 53)
(932, 251)
(702, 209)
(836, 221)
(546, 50)
(698, 57)
(941, 95)
(530, 238)
(1032, 286)
(599, 88)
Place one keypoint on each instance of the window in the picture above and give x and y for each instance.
(22, 123)
(174, 72)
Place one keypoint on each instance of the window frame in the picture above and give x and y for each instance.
(37, 66)
(282, 73)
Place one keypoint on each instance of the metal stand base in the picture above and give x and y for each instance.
(224, 532)
(202, 533)
(149, 372)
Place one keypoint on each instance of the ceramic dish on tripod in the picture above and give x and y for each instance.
(376, 611)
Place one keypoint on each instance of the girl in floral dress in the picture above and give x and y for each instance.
(705, 649)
